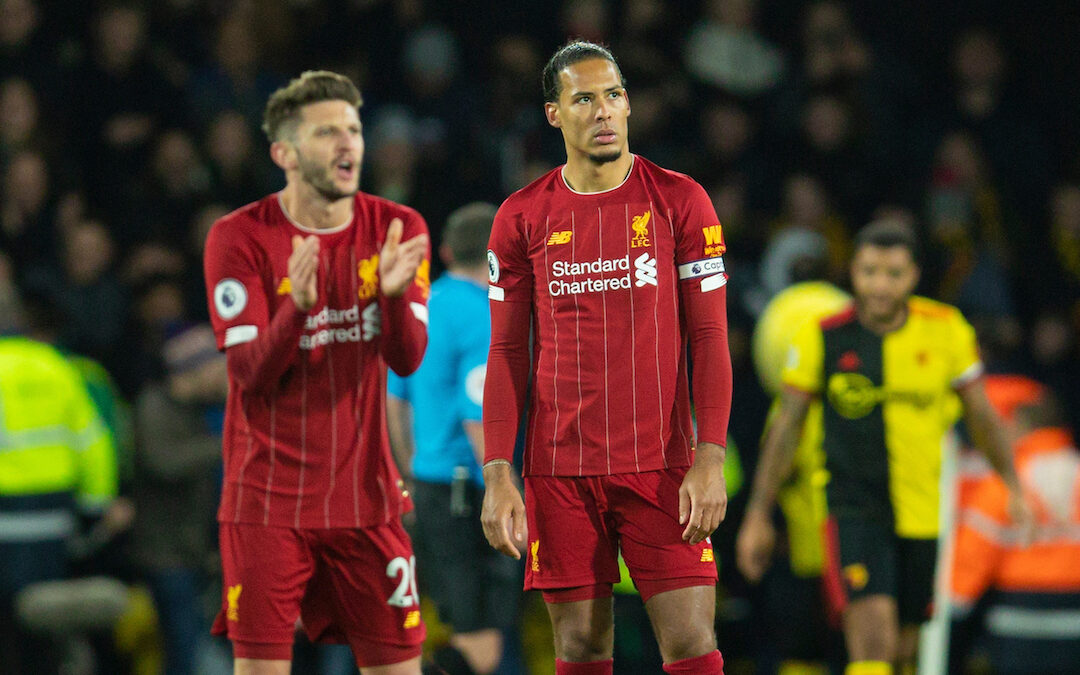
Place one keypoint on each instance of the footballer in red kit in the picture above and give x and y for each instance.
(313, 293)
(617, 265)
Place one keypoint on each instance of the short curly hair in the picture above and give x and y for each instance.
(313, 86)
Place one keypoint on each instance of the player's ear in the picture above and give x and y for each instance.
(551, 111)
(915, 278)
(626, 95)
(283, 154)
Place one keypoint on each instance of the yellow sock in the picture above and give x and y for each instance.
(868, 668)
(802, 668)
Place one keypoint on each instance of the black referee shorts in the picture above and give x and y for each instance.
(473, 586)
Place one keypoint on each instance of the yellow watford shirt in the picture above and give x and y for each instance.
(888, 402)
(802, 497)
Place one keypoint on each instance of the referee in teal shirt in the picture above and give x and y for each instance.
(434, 417)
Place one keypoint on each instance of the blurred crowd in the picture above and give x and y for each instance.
(128, 128)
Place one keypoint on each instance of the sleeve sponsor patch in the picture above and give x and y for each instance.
(230, 298)
(701, 268)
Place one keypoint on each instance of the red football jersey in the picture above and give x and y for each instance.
(615, 280)
(305, 441)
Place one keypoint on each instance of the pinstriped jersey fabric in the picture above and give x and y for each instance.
(607, 275)
(312, 452)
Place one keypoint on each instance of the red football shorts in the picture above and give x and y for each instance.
(578, 525)
(348, 586)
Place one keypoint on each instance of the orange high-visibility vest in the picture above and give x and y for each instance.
(1034, 612)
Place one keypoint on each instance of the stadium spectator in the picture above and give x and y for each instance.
(178, 429)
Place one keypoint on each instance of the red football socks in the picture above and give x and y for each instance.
(706, 664)
(588, 668)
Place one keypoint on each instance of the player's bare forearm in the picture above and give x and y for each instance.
(710, 453)
(399, 428)
(778, 449)
(991, 438)
(988, 433)
(474, 431)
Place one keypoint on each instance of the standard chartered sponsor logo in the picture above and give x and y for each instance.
(644, 272)
(328, 328)
(372, 322)
(331, 316)
(562, 268)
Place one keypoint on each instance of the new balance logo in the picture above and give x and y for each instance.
(644, 270)
(561, 237)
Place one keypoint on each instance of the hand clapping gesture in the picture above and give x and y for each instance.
(399, 260)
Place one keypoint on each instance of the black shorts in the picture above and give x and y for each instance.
(472, 585)
(875, 561)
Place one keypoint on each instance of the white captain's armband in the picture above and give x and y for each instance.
(420, 311)
(712, 269)
(496, 293)
(238, 335)
(701, 268)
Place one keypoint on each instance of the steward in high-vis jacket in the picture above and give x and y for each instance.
(1024, 585)
(57, 464)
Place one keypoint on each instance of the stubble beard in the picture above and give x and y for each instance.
(318, 177)
(605, 158)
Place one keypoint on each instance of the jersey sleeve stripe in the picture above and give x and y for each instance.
(420, 311)
(714, 282)
(238, 335)
(968, 376)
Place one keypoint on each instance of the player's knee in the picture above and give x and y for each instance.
(582, 642)
(873, 643)
(871, 630)
(688, 644)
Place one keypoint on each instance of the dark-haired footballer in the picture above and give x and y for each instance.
(614, 268)
(888, 369)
